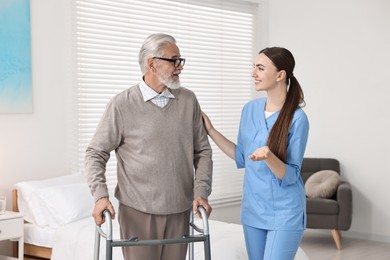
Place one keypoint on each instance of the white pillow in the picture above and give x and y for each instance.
(28, 203)
(63, 204)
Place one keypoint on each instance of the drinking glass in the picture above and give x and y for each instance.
(3, 201)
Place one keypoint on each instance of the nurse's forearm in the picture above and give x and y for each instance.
(228, 147)
(276, 165)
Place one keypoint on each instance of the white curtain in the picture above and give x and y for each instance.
(217, 39)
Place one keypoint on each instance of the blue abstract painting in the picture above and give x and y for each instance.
(15, 57)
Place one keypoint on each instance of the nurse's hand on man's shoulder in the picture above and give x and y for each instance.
(260, 154)
(207, 123)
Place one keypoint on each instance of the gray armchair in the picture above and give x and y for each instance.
(334, 213)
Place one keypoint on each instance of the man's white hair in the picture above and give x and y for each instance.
(153, 47)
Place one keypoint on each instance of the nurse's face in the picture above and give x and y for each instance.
(264, 73)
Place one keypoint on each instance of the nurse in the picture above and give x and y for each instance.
(270, 146)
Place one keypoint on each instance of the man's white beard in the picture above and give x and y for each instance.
(174, 84)
(169, 82)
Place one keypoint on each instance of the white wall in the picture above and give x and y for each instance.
(37, 145)
(341, 49)
(343, 62)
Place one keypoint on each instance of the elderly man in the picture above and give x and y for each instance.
(164, 157)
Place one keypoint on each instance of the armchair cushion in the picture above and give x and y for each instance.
(322, 184)
(322, 206)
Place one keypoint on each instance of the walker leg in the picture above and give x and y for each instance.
(97, 245)
(191, 245)
(207, 252)
(108, 250)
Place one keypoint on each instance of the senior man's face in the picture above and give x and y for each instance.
(168, 73)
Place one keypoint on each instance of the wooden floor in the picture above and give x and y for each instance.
(320, 246)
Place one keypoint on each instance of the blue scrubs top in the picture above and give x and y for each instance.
(268, 202)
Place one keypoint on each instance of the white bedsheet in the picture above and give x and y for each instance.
(38, 235)
(76, 241)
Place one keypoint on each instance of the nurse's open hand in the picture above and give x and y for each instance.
(260, 154)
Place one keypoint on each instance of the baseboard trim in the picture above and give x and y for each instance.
(355, 235)
(365, 236)
(226, 202)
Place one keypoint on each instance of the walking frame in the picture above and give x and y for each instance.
(204, 237)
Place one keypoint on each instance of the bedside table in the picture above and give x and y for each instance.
(11, 228)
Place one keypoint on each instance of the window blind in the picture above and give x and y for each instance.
(216, 38)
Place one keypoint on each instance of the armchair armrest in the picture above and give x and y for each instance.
(344, 199)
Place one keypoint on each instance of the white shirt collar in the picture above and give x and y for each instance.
(148, 93)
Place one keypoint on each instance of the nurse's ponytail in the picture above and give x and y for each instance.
(278, 137)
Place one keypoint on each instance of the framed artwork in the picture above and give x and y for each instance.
(15, 57)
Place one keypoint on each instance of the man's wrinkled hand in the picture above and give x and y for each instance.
(199, 201)
(101, 205)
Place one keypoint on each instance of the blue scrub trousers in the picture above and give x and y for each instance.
(271, 244)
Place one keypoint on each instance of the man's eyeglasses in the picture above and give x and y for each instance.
(176, 62)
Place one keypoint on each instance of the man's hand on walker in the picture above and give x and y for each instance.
(199, 201)
(101, 205)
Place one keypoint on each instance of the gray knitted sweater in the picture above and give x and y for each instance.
(163, 154)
